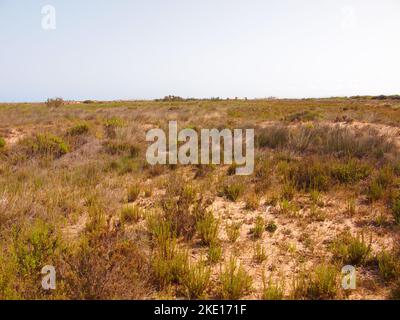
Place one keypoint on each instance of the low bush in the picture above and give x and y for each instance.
(207, 228)
(272, 137)
(235, 282)
(133, 193)
(272, 290)
(196, 280)
(131, 214)
(54, 103)
(45, 145)
(2, 143)
(351, 250)
(259, 253)
(259, 228)
(252, 201)
(323, 284)
(214, 253)
(311, 176)
(233, 231)
(349, 172)
(388, 264)
(78, 130)
(233, 191)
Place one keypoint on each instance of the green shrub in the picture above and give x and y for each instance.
(233, 231)
(170, 269)
(288, 191)
(311, 176)
(350, 172)
(271, 226)
(375, 191)
(235, 282)
(133, 193)
(396, 210)
(272, 137)
(35, 247)
(115, 147)
(233, 191)
(351, 250)
(351, 207)
(196, 280)
(252, 202)
(259, 253)
(263, 170)
(395, 207)
(388, 264)
(110, 126)
(271, 290)
(321, 284)
(131, 214)
(79, 129)
(207, 228)
(2, 143)
(54, 103)
(259, 228)
(232, 169)
(45, 145)
(214, 253)
(303, 116)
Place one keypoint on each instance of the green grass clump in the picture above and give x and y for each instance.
(233, 191)
(271, 226)
(131, 214)
(350, 172)
(207, 228)
(196, 280)
(395, 207)
(133, 193)
(110, 126)
(388, 264)
(259, 228)
(273, 137)
(235, 282)
(233, 231)
(311, 176)
(271, 290)
(379, 184)
(351, 250)
(322, 284)
(260, 253)
(169, 269)
(214, 253)
(78, 130)
(46, 145)
(2, 143)
(35, 247)
(375, 191)
(252, 201)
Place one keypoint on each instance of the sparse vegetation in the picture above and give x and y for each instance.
(77, 192)
(233, 231)
(235, 282)
(207, 228)
(272, 290)
(352, 250)
(259, 228)
(321, 284)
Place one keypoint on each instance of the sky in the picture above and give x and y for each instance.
(128, 49)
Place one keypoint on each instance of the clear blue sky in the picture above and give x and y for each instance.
(124, 49)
